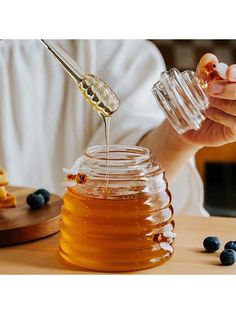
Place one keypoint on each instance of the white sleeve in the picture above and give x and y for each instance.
(130, 67)
(187, 192)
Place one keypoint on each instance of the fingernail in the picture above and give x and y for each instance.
(233, 73)
(217, 88)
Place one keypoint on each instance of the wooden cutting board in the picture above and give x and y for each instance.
(22, 224)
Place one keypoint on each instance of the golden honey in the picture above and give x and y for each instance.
(124, 224)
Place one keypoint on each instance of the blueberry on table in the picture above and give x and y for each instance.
(231, 245)
(44, 193)
(35, 201)
(228, 257)
(211, 244)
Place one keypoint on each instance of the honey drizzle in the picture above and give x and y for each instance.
(104, 101)
(105, 113)
(107, 121)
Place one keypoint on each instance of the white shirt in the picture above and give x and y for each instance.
(45, 123)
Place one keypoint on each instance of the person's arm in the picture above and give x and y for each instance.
(173, 150)
(169, 148)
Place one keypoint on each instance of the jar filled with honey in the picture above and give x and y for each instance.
(117, 214)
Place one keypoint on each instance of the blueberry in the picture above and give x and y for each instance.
(35, 201)
(44, 193)
(231, 245)
(211, 244)
(228, 257)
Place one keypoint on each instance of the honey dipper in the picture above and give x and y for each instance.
(95, 91)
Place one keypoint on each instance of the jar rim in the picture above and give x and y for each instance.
(123, 161)
(133, 163)
(117, 153)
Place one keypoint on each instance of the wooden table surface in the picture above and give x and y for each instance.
(41, 257)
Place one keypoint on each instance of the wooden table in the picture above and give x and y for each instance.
(41, 257)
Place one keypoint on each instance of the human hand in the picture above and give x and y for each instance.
(219, 128)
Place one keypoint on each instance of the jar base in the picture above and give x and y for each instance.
(114, 267)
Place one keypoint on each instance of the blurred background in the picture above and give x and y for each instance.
(217, 166)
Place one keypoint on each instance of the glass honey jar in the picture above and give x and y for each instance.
(117, 213)
(182, 96)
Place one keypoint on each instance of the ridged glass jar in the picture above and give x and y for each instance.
(182, 98)
(118, 217)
